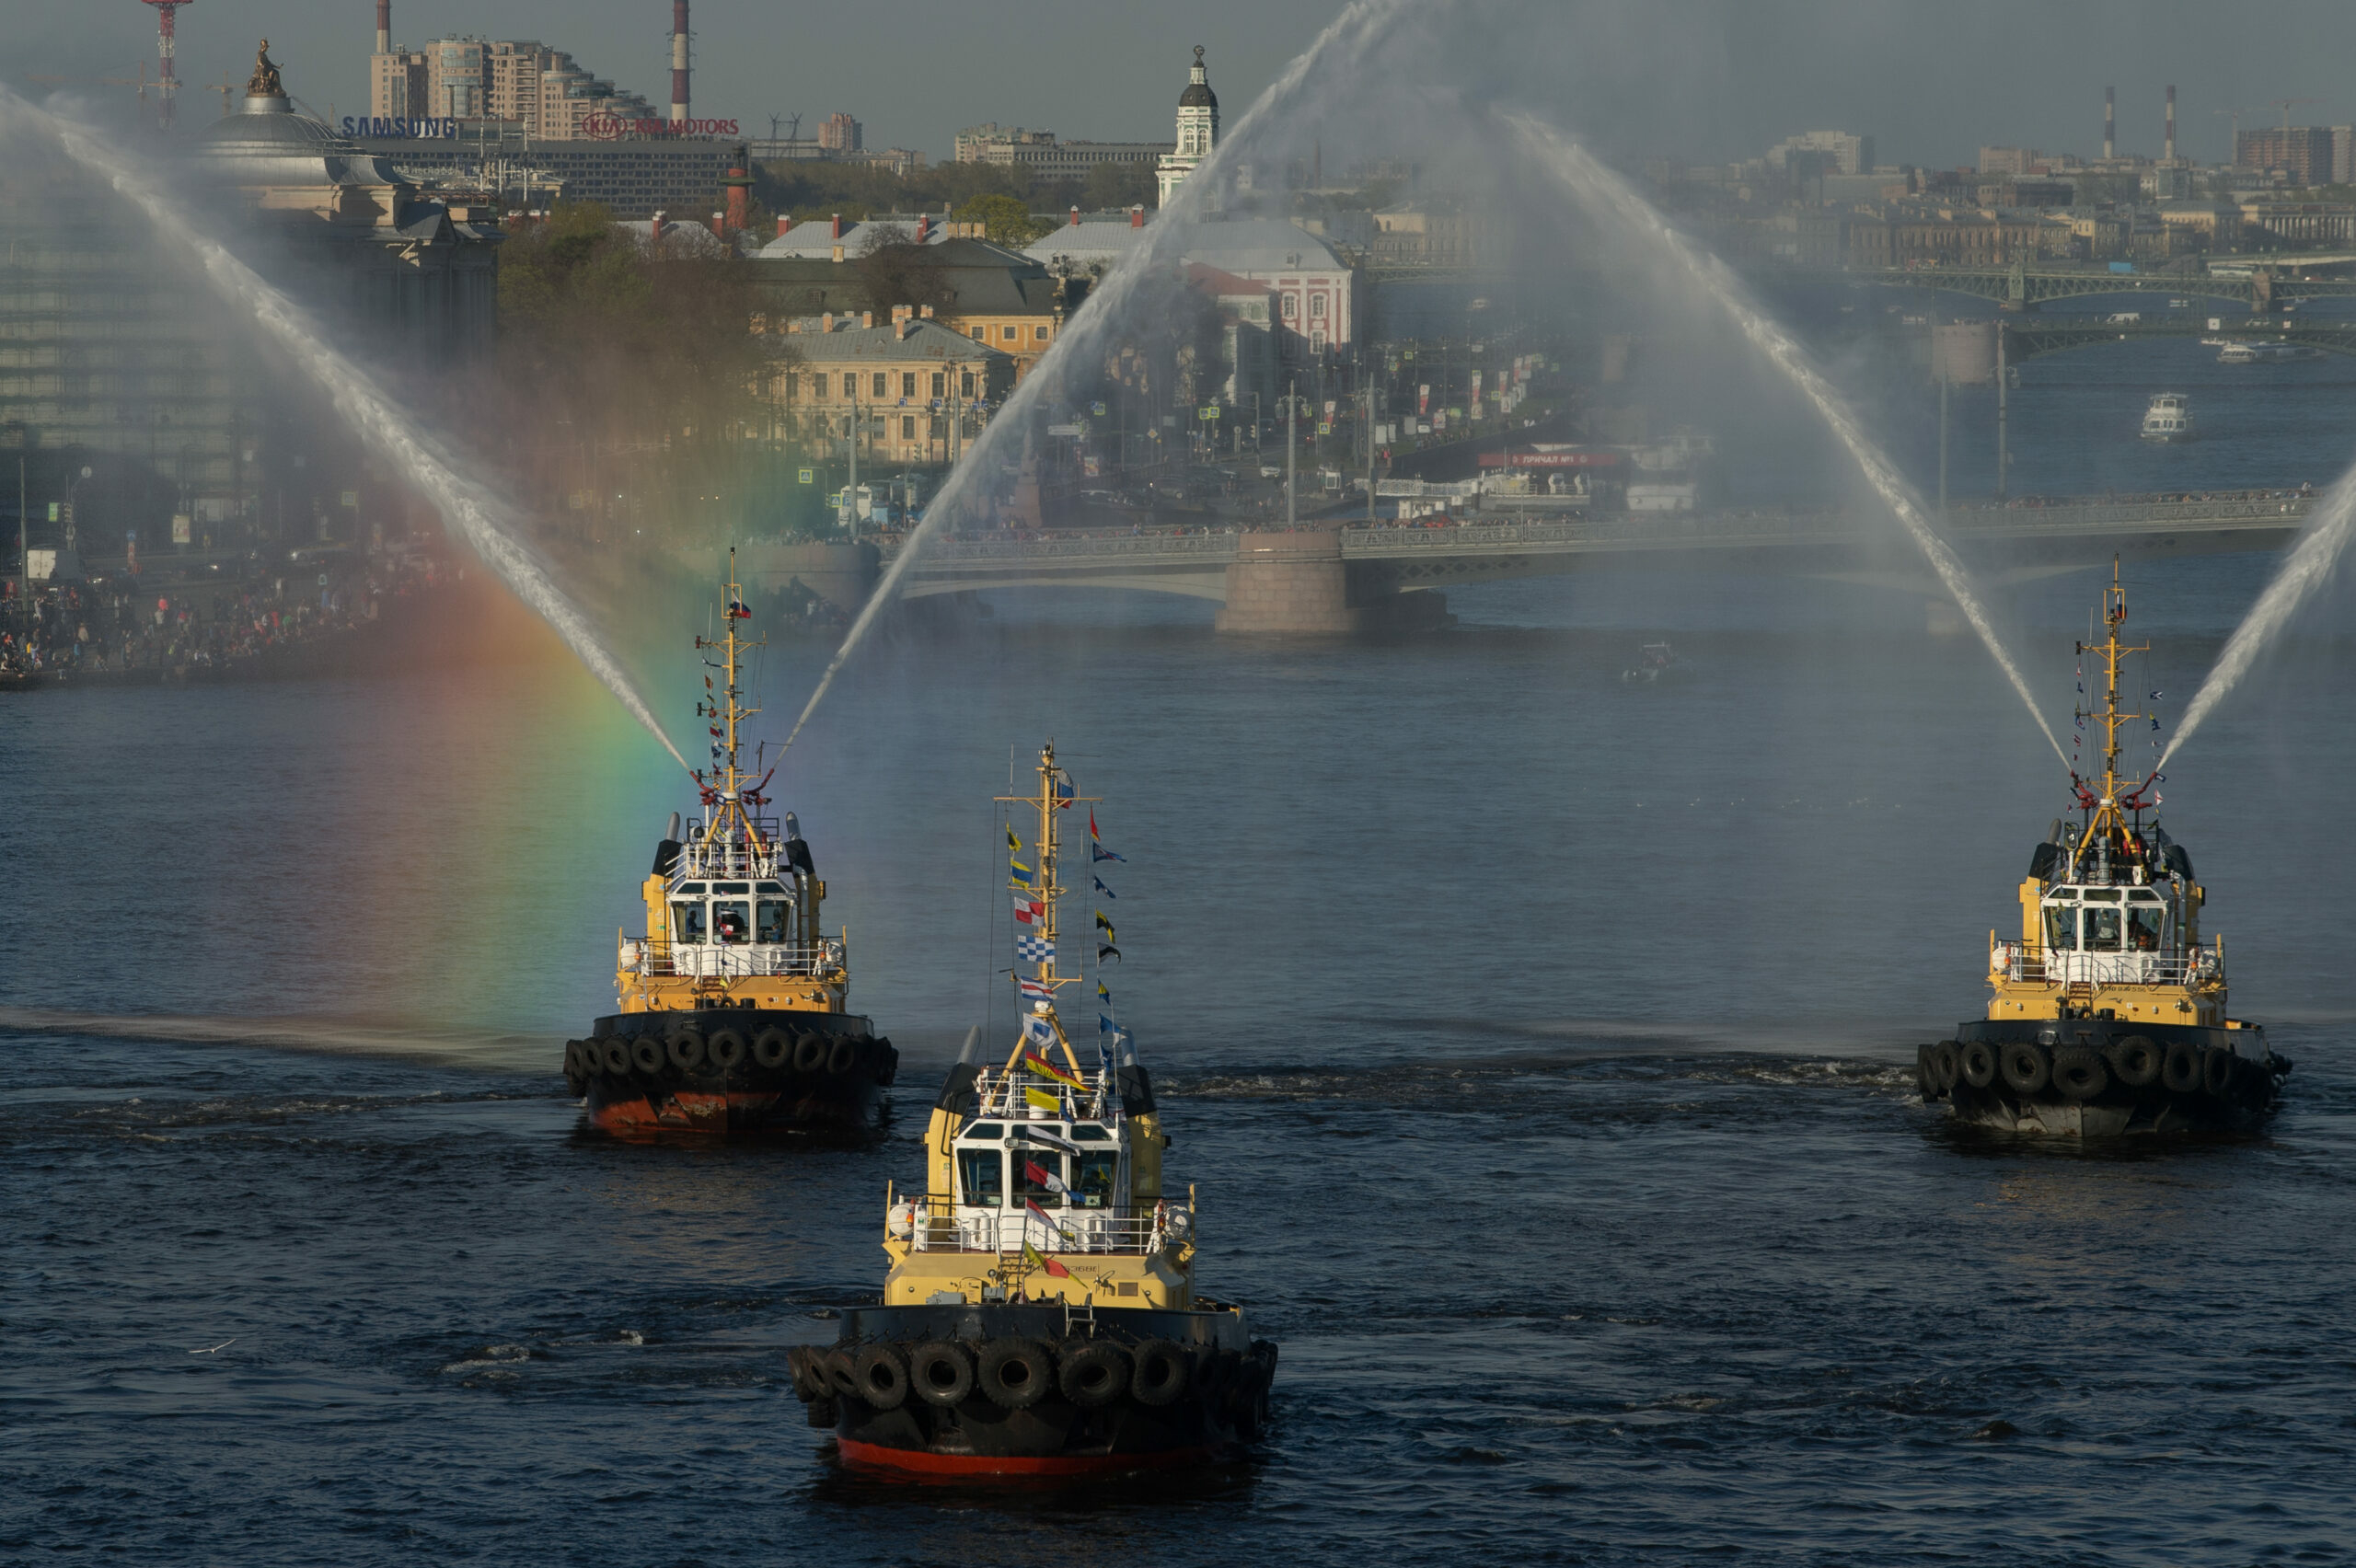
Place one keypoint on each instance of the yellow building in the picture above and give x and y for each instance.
(917, 390)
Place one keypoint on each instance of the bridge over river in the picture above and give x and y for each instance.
(1356, 575)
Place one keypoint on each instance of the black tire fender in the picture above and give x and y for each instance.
(771, 1047)
(843, 1057)
(647, 1055)
(2079, 1072)
(2135, 1061)
(2180, 1067)
(842, 1367)
(1978, 1063)
(1926, 1074)
(883, 1375)
(1162, 1373)
(809, 1052)
(1943, 1059)
(942, 1373)
(1014, 1374)
(685, 1049)
(825, 1412)
(2025, 1066)
(1093, 1373)
(2217, 1070)
(724, 1051)
(887, 1062)
(616, 1056)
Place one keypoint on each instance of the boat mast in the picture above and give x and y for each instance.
(725, 792)
(2106, 806)
(1055, 794)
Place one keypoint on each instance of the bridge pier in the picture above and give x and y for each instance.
(1297, 583)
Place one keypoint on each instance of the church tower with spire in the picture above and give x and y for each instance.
(1197, 129)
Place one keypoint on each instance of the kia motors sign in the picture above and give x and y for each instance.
(611, 128)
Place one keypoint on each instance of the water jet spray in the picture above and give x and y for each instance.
(1359, 27)
(1600, 189)
(478, 516)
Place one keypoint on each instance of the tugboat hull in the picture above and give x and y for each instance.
(957, 1392)
(2098, 1078)
(731, 1070)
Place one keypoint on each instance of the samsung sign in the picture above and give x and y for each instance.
(443, 129)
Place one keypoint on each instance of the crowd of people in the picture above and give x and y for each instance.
(115, 627)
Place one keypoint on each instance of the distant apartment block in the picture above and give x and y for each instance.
(1848, 153)
(1046, 158)
(2302, 154)
(841, 134)
(519, 83)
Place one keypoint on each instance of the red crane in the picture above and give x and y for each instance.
(167, 47)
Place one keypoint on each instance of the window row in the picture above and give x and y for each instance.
(912, 383)
(1039, 1177)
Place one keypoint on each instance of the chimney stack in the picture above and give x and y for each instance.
(1137, 216)
(654, 227)
(678, 62)
(384, 27)
(838, 226)
(783, 224)
(2170, 154)
(1075, 215)
(740, 190)
(924, 227)
(2109, 117)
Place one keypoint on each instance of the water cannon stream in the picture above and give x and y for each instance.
(1605, 193)
(467, 507)
(1347, 40)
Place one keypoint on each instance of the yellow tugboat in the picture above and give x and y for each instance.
(2108, 1013)
(734, 1009)
(1039, 1315)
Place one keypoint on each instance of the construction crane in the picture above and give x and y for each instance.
(140, 81)
(167, 86)
(2285, 105)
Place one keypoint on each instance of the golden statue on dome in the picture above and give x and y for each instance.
(264, 82)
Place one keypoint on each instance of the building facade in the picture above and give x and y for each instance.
(1198, 129)
(2301, 154)
(1046, 158)
(898, 387)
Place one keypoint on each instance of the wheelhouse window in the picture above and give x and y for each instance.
(732, 920)
(981, 1177)
(1037, 1173)
(2061, 927)
(1091, 1182)
(771, 918)
(2143, 922)
(2101, 929)
(686, 924)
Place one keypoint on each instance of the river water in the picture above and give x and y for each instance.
(1539, 1046)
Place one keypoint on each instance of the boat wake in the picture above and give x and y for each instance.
(485, 1050)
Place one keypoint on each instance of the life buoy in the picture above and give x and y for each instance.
(1093, 1373)
(1978, 1061)
(1014, 1374)
(2217, 1070)
(942, 1373)
(809, 1052)
(2023, 1065)
(2079, 1072)
(1162, 1373)
(2136, 1061)
(686, 1048)
(883, 1377)
(2180, 1067)
(724, 1051)
(770, 1048)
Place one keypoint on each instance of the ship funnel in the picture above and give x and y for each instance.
(792, 826)
(973, 1039)
(2053, 834)
(672, 830)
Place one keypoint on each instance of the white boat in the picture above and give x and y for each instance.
(2168, 418)
(2233, 352)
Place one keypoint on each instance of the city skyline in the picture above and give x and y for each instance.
(1700, 81)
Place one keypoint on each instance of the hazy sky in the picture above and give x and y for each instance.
(1701, 79)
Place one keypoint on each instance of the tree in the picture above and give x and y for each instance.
(1004, 220)
(894, 272)
(1120, 185)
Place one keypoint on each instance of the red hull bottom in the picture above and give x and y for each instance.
(924, 1465)
(733, 1110)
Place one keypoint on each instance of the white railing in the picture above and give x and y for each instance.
(1002, 1095)
(935, 1224)
(2037, 965)
(728, 961)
